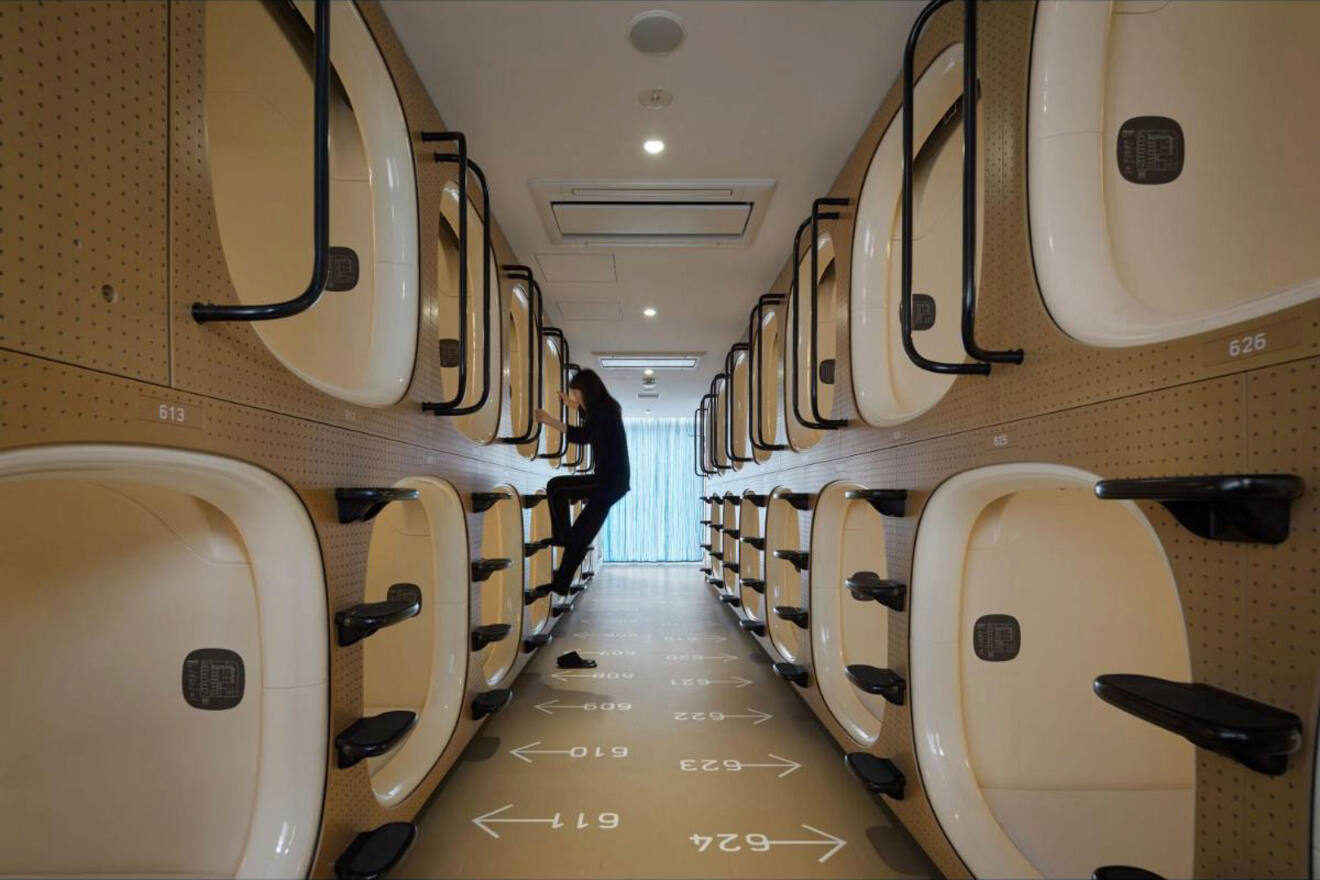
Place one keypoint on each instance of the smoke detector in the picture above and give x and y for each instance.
(656, 32)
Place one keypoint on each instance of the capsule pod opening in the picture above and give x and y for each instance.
(521, 364)
(847, 537)
(1025, 588)
(159, 604)
(483, 330)
(888, 387)
(720, 427)
(1152, 215)
(797, 358)
(783, 582)
(418, 549)
(359, 341)
(502, 591)
(540, 568)
(768, 359)
(552, 441)
(750, 559)
(730, 544)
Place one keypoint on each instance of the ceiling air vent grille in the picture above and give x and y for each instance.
(652, 213)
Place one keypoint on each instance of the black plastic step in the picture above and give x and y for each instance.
(757, 500)
(530, 597)
(373, 854)
(717, 527)
(1124, 872)
(575, 589)
(560, 608)
(756, 541)
(490, 702)
(730, 599)
(482, 569)
(1255, 508)
(705, 522)
(483, 501)
(718, 554)
(354, 624)
(574, 660)
(756, 585)
(715, 582)
(489, 634)
(867, 585)
(883, 682)
(793, 672)
(801, 559)
(540, 640)
(360, 505)
(732, 566)
(878, 775)
(707, 547)
(531, 548)
(792, 615)
(707, 571)
(530, 501)
(799, 500)
(588, 575)
(1256, 735)
(733, 533)
(755, 627)
(372, 736)
(887, 502)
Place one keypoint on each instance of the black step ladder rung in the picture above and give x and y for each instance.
(362, 504)
(878, 775)
(560, 608)
(887, 502)
(757, 500)
(354, 624)
(883, 682)
(1256, 735)
(540, 640)
(799, 559)
(793, 672)
(373, 854)
(372, 736)
(530, 501)
(755, 627)
(482, 569)
(868, 585)
(756, 541)
(756, 585)
(803, 501)
(730, 599)
(489, 634)
(793, 614)
(483, 501)
(1252, 508)
(490, 702)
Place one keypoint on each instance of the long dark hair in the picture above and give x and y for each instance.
(595, 397)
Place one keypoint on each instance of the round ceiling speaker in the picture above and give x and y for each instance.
(656, 32)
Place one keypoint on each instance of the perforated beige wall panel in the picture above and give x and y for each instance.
(83, 91)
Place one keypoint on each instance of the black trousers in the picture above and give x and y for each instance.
(561, 492)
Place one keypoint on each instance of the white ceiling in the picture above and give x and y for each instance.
(776, 90)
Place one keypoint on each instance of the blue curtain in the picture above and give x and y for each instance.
(659, 520)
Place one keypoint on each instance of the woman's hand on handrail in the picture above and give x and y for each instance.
(546, 419)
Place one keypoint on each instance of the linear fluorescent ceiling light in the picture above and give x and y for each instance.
(648, 361)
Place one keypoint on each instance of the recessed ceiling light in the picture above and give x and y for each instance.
(648, 372)
(654, 146)
(649, 311)
(647, 361)
(657, 32)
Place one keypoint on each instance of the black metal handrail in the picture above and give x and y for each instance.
(577, 462)
(564, 383)
(728, 409)
(816, 216)
(754, 377)
(717, 447)
(205, 312)
(982, 357)
(452, 407)
(535, 360)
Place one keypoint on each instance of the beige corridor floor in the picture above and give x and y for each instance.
(680, 755)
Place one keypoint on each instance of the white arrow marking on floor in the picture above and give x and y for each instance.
(724, 657)
(483, 821)
(785, 762)
(834, 843)
(760, 716)
(523, 751)
(547, 706)
(738, 681)
(694, 638)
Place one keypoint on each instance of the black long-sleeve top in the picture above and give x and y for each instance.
(609, 444)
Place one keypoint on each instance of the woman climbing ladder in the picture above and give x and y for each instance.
(602, 429)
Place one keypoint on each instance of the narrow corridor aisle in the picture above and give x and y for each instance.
(680, 755)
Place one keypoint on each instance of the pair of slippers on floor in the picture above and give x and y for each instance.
(574, 660)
